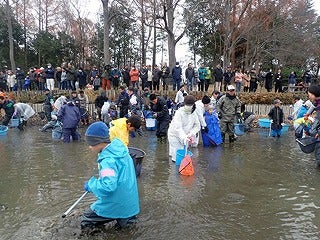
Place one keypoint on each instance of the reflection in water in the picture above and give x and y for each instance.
(257, 188)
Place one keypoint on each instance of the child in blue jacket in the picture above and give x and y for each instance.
(116, 186)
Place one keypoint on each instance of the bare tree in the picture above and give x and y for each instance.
(10, 33)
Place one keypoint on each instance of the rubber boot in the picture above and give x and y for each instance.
(223, 135)
(232, 138)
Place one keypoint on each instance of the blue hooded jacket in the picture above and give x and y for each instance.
(116, 188)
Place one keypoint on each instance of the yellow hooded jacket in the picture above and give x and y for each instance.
(119, 130)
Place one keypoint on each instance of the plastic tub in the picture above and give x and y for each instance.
(285, 128)
(14, 122)
(180, 155)
(264, 122)
(307, 144)
(239, 129)
(3, 130)
(56, 133)
(150, 124)
(137, 155)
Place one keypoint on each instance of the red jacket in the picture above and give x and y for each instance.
(134, 75)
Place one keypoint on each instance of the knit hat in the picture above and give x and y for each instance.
(96, 133)
(205, 99)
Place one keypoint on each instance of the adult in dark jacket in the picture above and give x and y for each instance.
(71, 76)
(49, 75)
(218, 77)
(278, 81)
(165, 76)
(123, 102)
(99, 101)
(176, 77)
(190, 75)
(144, 76)
(69, 116)
(82, 78)
(20, 76)
(48, 103)
(276, 116)
(161, 114)
(227, 78)
(269, 79)
(126, 75)
(156, 75)
(8, 107)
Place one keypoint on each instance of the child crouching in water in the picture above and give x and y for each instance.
(115, 186)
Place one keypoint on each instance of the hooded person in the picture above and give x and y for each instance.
(116, 187)
(201, 106)
(183, 127)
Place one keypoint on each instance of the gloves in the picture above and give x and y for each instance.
(58, 123)
(205, 129)
(271, 121)
(86, 187)
(154, 115)
(132, 134)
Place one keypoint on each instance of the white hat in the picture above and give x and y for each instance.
(230, 87)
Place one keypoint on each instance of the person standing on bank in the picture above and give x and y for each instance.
(116, 188)
(218, 77)
(228, 108)
(176, 77)
(278, 81)
(161, 114)
(189, 74)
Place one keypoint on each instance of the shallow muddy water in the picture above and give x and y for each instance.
(257, 188)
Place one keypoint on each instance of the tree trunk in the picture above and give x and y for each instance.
(171, 38)
(154, 48)
(143, 41)
(10, 33)
(106, 31)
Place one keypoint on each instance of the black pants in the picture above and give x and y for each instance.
(90, 219)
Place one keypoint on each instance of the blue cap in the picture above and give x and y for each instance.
(96, 133)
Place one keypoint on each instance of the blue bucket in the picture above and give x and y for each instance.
(56, 133)
(239, 129)
(3, 130)
(14, 122)
(180, 155)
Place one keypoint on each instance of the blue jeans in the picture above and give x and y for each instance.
(190, 84)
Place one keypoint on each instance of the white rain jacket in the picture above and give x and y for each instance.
(183, 124)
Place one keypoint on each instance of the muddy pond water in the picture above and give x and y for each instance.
(256, 188)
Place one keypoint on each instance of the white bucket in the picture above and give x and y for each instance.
(150, 124)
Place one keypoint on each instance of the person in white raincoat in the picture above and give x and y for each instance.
(201, 106)
(183, 127)
(25, 111)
